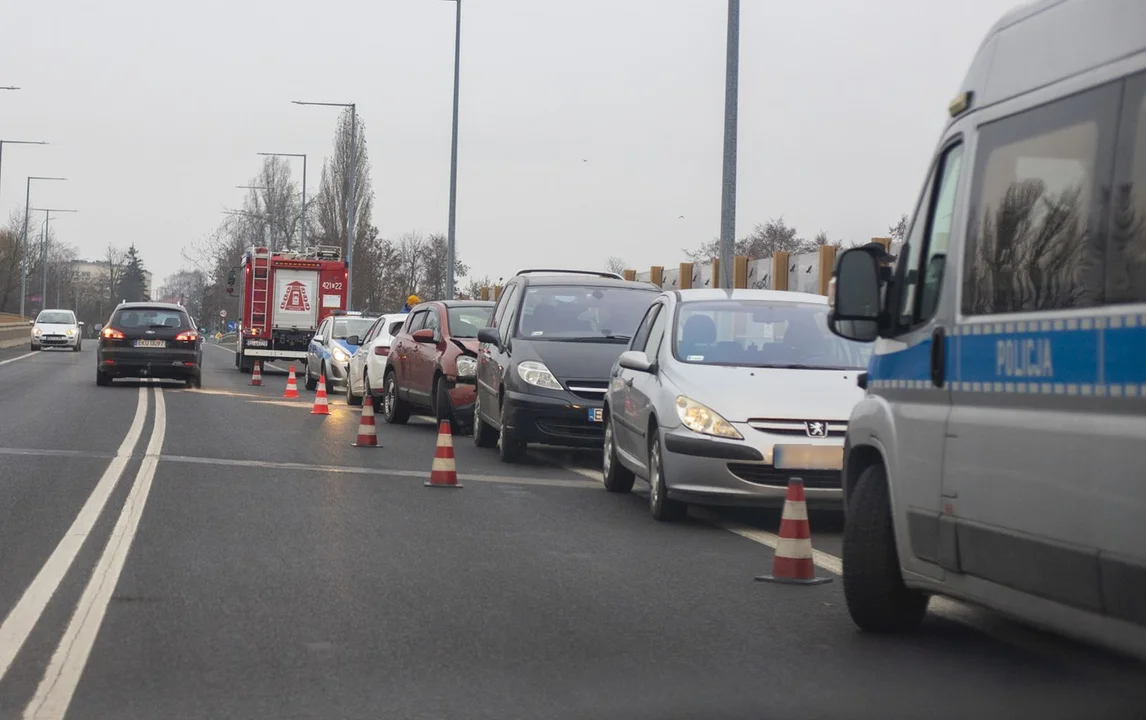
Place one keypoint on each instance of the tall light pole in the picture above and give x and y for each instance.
(352, 192)
(24, 241)
(270, 222)
(302, 232)
(728, 196)
(16, 142)
(44, 252)
(451, 237)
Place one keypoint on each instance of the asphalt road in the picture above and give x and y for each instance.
(222, 553)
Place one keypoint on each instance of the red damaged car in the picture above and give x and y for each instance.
(433, 363)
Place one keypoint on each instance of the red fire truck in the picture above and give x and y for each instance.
(283, 298)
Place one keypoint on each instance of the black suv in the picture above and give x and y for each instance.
(544, 360)
(148, 339)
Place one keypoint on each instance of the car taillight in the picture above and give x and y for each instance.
(187, 336)
(381, 350)
(110, 333)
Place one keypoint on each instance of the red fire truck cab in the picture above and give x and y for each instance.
(283, 298)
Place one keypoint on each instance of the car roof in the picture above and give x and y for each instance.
(782, 296)
(150, 306)
(56, 310)
(583, 281)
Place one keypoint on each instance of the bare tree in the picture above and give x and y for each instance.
(334, 187)
(822, 240)
(764, 241)
(898, 231)
(616, 265)
(474, 286)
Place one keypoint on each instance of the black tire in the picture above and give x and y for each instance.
(394, 409)
(246, 365)
(368, 389)
(310, 384)
(509, 448)
(352, 399)
(877, 599)
(35, 347)
(443, 408)
(195, 381)
(617, 477)
(76, 347)
(103, 379)
(484, 435)
(662, 507)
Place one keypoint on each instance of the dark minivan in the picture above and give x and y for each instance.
(544, 360)
(149, 339)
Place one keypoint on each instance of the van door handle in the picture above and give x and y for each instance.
(938, 357)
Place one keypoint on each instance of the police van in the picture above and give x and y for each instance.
(999, 455)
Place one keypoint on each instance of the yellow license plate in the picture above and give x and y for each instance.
(808, 457)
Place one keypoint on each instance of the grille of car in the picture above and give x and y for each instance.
(588, 389)
(787, 426)
(768, 475)
(558, 427)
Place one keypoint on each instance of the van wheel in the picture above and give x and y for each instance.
(617, 477)
(877, 598)
(484, 435)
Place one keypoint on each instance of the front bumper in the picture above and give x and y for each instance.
(554, 420)
(56, 340)
(463, 395)
(337, 372)
(176, 363)
(712, 471)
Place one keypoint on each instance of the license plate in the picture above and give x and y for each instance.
(808, 457)
(256, 343)
(151, 343)
(596, 415)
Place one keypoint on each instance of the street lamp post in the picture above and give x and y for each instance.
(44, 252)
(728, 195)
(351, 204)
(302, 231)
(451, 237)
(24, 241)
(16, 142)
(270, 222)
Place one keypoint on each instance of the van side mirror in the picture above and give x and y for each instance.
(489, 335)
(855, 300)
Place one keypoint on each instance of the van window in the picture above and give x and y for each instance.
(927, 257)
(1126, 264)
(1032, 244)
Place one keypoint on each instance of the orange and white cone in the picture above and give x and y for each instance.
(367, 435)
(292, 385)
(444, 472)
(792, 563)
(320, 405)
(257, 374)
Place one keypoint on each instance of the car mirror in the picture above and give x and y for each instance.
(636, 360)
(489, 335)
(855, 298)
(353, 340)
(80, 323)
(425, 335)
(31, 322)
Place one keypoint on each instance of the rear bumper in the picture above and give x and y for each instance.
(132, 362)
(554, 420)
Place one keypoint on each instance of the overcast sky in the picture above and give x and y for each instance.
(588, 127)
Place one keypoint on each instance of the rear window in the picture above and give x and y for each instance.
(60, 317)
(145, 317)
(571, 312)
(395, 327)
(465, 321)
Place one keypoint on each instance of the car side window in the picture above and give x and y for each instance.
(642, 333)
(657, 333)
(396, 327)
(502, 304)
(417, 321)
(506, 327)
(372, 332)
(433, 321)
(320, 334)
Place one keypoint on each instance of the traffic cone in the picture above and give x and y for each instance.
(444, 473)
(792, 561)
(367, 435)
(257, 374)
(292, 385)
(320, 406)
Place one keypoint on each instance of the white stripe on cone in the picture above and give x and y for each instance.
(367, 430)
(445, 440)
(442, 465)
(791, 548)
(795, 511)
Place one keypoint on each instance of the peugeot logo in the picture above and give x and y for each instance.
(816, 428)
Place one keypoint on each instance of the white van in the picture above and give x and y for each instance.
(999, 455)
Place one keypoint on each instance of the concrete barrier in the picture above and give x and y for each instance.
(15, 335)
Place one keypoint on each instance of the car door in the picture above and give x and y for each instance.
(621, 407)
(425, 358)
(646, 386)
(403, 352)
(361, 355)
(314, 351)
(491, 359)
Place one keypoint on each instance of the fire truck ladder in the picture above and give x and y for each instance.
(260, 292)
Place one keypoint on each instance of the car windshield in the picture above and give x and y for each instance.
(756, 333)
(465, 321)
(571, 312)
(345, 327)
(130, 318)
(60, 317)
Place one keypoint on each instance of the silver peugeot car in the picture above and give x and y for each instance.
(722, 396)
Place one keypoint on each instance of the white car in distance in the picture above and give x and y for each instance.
(368, 363)
(57, 328)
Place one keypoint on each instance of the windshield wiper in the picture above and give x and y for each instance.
(594, 338)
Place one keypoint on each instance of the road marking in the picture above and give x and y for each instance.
(18, 357)
(24, 616)
(37, 452)
(595, 475)
(828, 562)
(58, 685)
(337, 469)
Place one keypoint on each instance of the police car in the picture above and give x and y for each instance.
(998, 456)
(331, 347)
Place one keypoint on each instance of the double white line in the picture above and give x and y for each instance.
(58, 685)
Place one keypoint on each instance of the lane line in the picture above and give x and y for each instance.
(26, 613)
(36, 452)
(342, 470)
(594, 475)
(18, 357)
(60, 680)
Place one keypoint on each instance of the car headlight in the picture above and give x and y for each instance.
(535, 373)
(37, 332)
(467, 366)
(703, 419)
(70, 332)
(340, 355)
